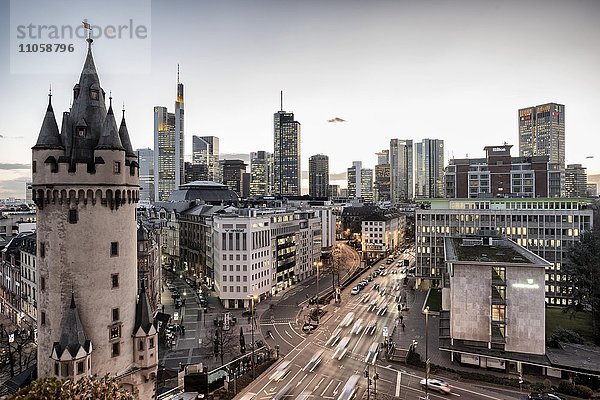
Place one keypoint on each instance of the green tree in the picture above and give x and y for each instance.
(86, 388)
(584, 274)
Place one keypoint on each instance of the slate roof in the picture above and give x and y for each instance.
(49, 137)
(73, 336)
(142, 312)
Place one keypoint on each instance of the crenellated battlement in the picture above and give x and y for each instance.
(111, 197)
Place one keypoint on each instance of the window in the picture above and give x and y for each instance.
(80, 367)
(114, 280)
(115, 332)
(42, 249)
(141, 345)
(64, 369)
(116, 349)
(43, 315)
(93, 95)
(73, 216)
(117, 167)
(151, 343)
(114, 249)
(56, 368)
(34, 167)
(115, 314)
(42, 283)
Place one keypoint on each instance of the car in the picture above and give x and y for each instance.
(436, 384)
(389, 261)
(355, 290)
(394, 271)
(375, 286)
(544, 396)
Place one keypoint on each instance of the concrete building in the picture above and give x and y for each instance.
(93, 318)
(354, 182)
(542, 132)
(429, 168)
(261, 170)
(547, 227)
(146, 161)
(286, 155)
(169, 141)
(500, 175)
(15, 220)
(382, 233)
(334, 191)
(366, 185)
(575, 181)
(592, 190)
(318, 176)
(494, 304)
(401, 170)
(205, 151)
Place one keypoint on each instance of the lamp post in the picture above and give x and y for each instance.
(427, 352)
(318, 265)
(252, 330)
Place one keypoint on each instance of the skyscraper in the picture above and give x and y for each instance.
(205, 150)
(401, 169)
(168, 147)
(354, 183)
(261, 167)
(542, 132)
(146, 161)
(381, 186)
(318, 176)
(286, 155)
(575, 181)
(383, 157)
(233, 174)
(92, 317)
(366, 185)
(429, 169)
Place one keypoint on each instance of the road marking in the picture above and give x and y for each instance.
(308, 384)
(327, 387)
(398, 384)
(287, 333)
(299, 383)
(335, 391)
(293, 330)
(319, 384)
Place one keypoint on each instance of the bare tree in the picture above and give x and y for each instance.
(18, 350)
(223, 341)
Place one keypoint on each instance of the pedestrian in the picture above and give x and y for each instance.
(401, 319)
(403, 326)
(248, 319)
(182, 330)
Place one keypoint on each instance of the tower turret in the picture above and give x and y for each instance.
(49, 138)
(124, 135)
(109, 136)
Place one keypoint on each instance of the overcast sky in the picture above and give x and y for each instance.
(452, 70)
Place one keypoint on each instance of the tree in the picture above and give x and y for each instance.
(584, 271)
(85, 388)
(18, 350)
(222, 340)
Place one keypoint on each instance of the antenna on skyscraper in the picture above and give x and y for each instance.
(281, 94)
(178, 73)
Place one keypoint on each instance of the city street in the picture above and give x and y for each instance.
(319, 365)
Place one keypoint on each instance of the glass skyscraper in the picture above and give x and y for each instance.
(318, 176)
(542, 132)
(401, 168)
(286, 155)
(429, 168)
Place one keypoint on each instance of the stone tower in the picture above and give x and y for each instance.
(85, 185)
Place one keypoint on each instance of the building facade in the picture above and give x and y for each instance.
(381, 186)
(542, 132)
(233, 174)
(575, 181)
(382, 233)
(547, 227)
(366, 185)
(261, 170)
(401, 170)
(86, 186)
(169, 165)
(146, 161)
(205, 151)
(318, 176)
(354, 183)
(286, 155)
(429, 168)
(500, 175)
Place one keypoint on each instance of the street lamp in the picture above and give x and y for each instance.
(318, 265)
(252, 330)
(427, 352)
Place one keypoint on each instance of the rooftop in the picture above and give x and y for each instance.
(489, 250)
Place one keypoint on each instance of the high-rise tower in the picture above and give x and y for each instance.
(286, 155)
(92, 320)
(401, 170)
(169, 170)
(318, 175)
(542, 132)
(429, 168)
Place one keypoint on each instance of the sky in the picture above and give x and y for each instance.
(451, 70)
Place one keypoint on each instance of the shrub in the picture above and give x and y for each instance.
(566, 387)
(537, 387)
(565, 336)
(583, 391)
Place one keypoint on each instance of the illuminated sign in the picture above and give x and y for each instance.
(525, 112)
(499, 149)
(545, 108)
(528, 285)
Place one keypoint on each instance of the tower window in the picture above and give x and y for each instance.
(116, 349)
(42, 249)
(141, 345)
(115, 314)
(42, 283)
(151, 344)
(114, 280)
(43, 317)
(115, 332)
(117, 167)
(56, 368)
(93, 95)
(80, 367)
(73, 216)
(34, 167)
(114, 249)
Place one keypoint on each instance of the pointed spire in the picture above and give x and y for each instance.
(142, 312)
(72, 299)
(72, 336)
(124, 136)
(49, 137)
(109, 136)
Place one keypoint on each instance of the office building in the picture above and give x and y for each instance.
(383, 157)
(494, 306)
(286, 155)
(334, 192)
(500, 175)
(542, 132)
(261, 171)
(546, 226)
(592, 190)
(146, 161)
(93, 320)
(575, 181)
(233, 174)
(169, 147)
(318, 176)
(401, 170)
(429, 168)
(354, 183)
(381, 233)
(205, 151)
(366, 185)
(381, 186)
(195, 172)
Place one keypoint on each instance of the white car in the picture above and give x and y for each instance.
(436, 384)
(355, 290)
